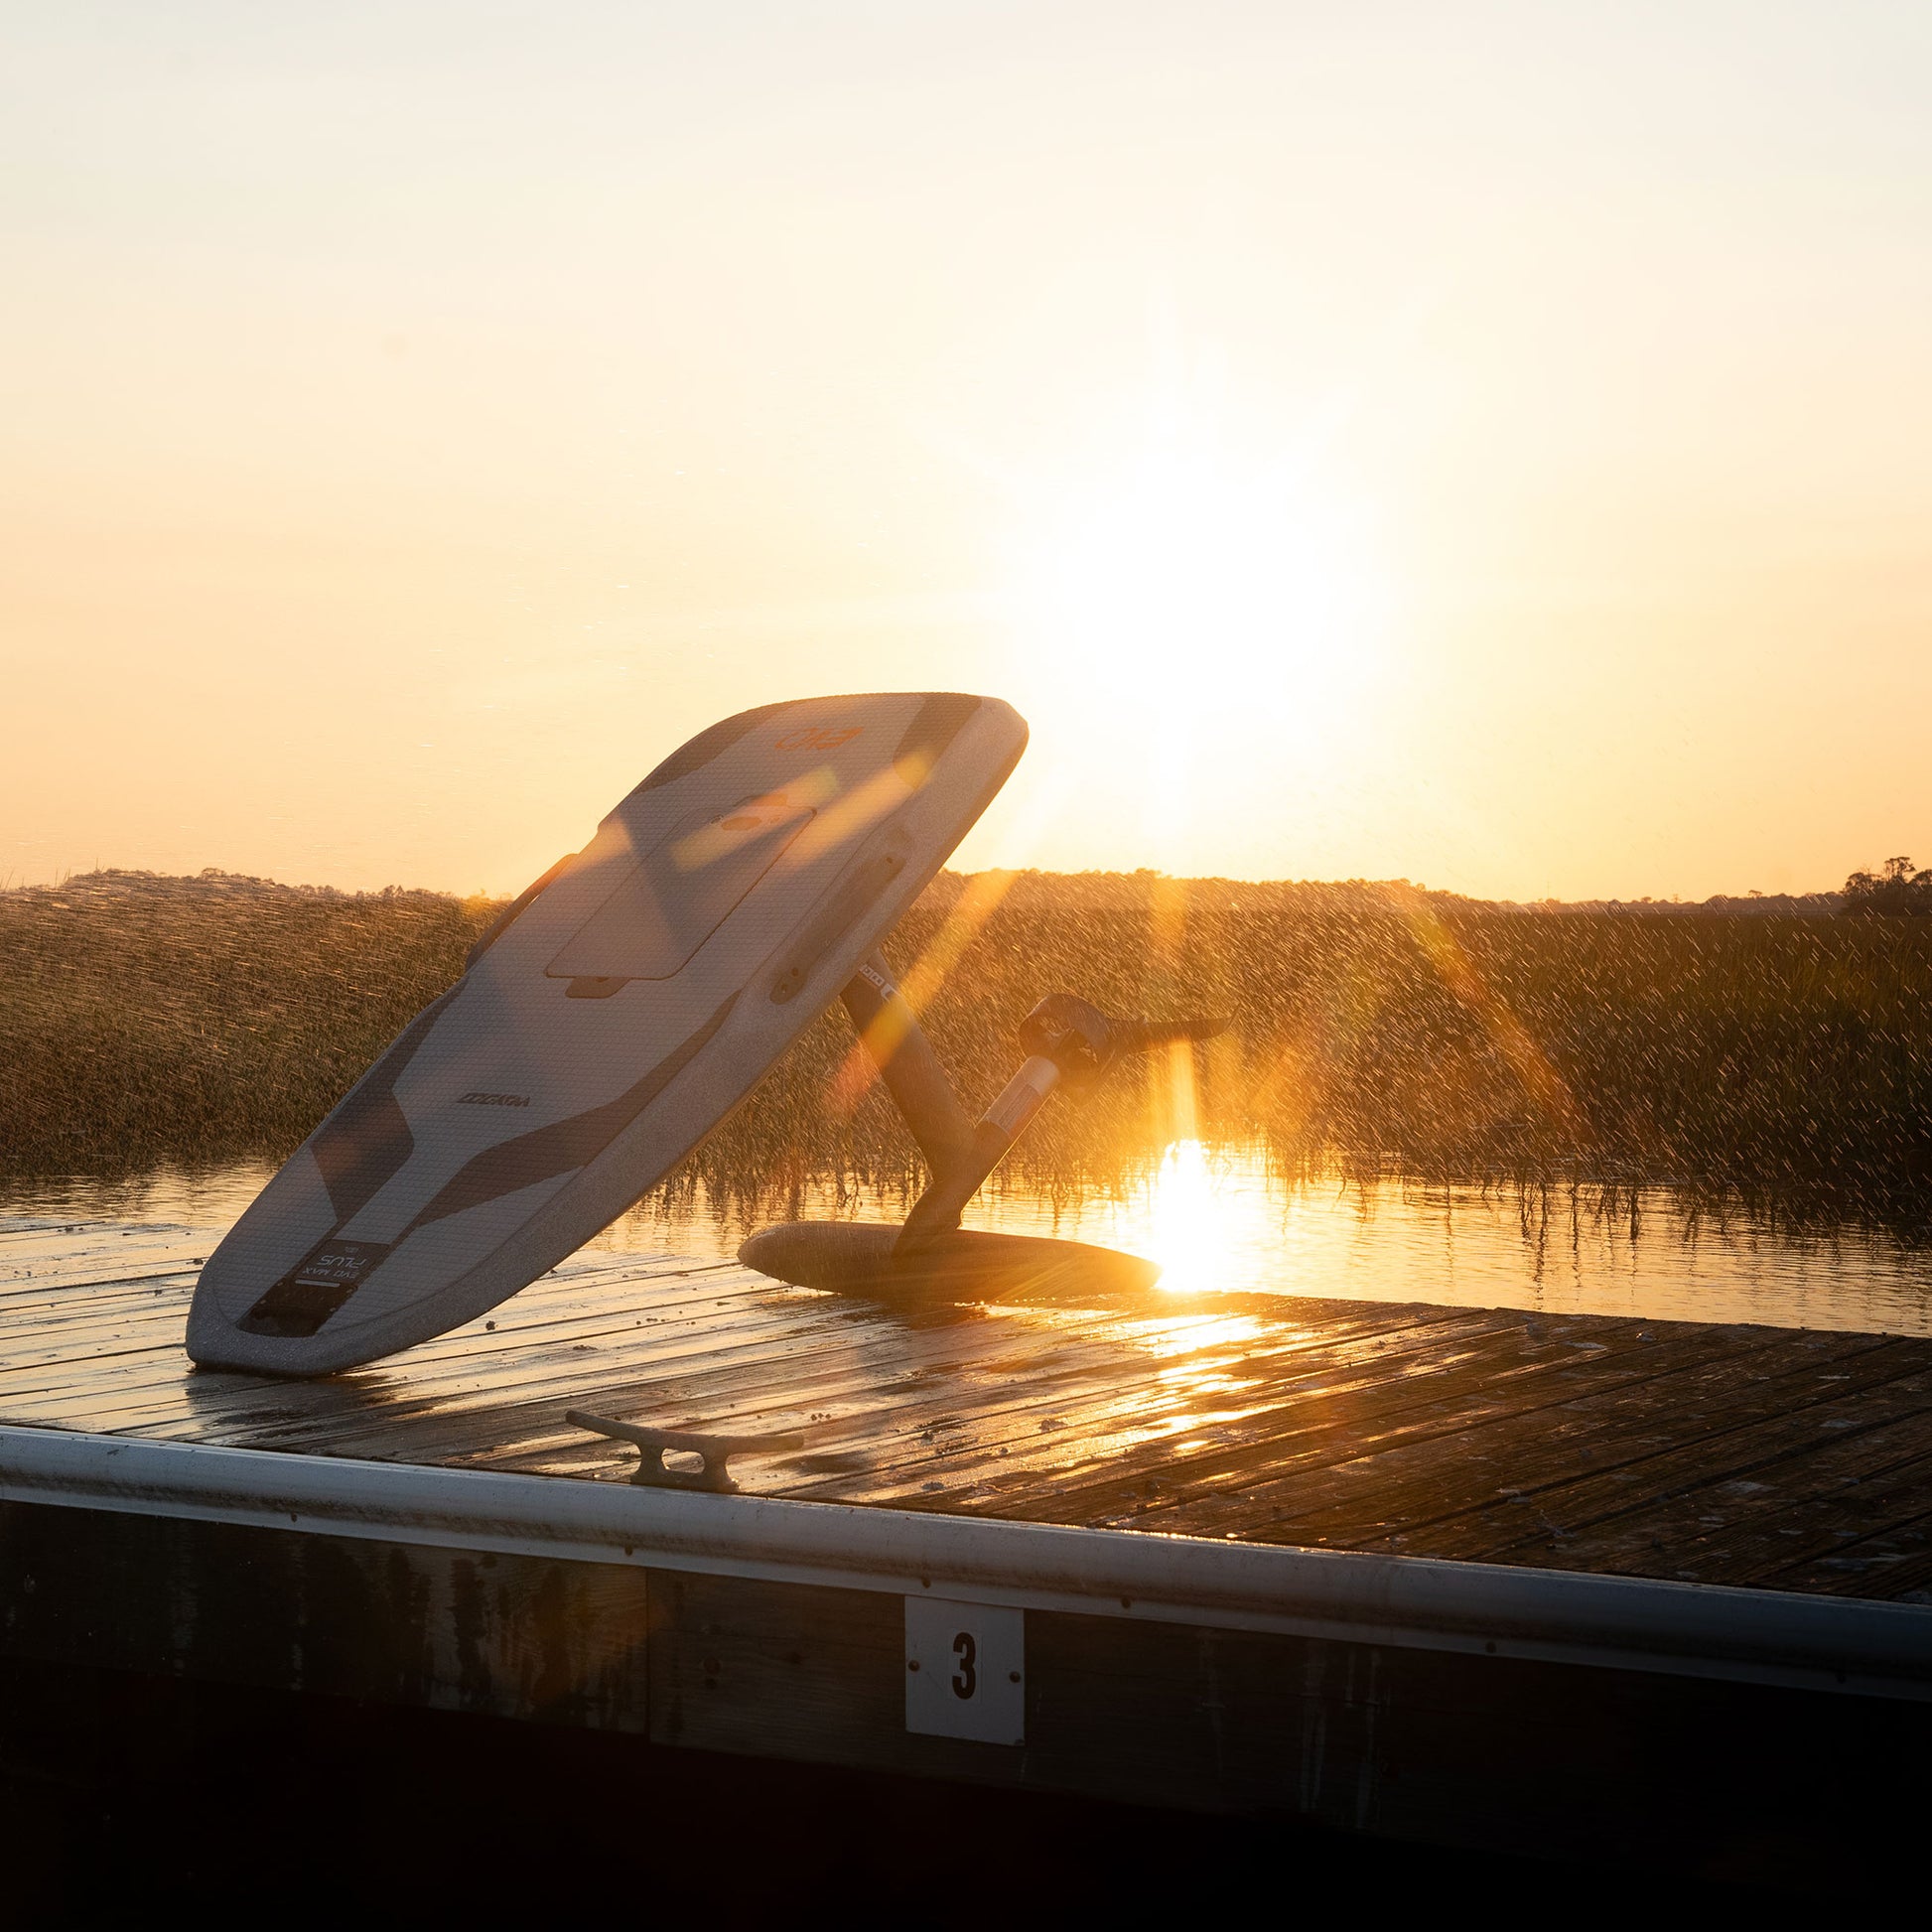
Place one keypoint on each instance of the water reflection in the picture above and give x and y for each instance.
(1221, 1219)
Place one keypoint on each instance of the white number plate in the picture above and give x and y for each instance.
(966, 1671)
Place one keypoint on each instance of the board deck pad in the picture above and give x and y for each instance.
(616, 1015)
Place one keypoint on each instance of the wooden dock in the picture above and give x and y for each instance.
(1488, 1668)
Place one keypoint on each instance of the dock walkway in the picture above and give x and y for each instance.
(1461, 1456)
(1787, 1459)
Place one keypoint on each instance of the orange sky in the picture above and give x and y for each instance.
(1488, 445)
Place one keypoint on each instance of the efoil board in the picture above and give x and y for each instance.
(619, 1012)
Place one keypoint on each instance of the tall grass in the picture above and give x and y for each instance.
(149, 1020)
(1791, 1058)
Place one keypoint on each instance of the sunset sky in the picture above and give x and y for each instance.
(1488, 445)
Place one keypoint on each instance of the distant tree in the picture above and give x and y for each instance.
(1896, 891)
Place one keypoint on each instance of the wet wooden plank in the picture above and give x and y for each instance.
(1894, 1562)
(1403, 1488)
(1724, 1430)
(155, 1316)
(878, 1443)
(506, 1356)
(712, 1356)
(1413, 1428)
(1326, 1413)
(1805, 1431)
(54, 1279)
(1726, 1453)
(452, 1424)
(1813, 1502)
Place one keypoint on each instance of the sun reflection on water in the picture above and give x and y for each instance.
(1185, 1223)
(1219, 1218)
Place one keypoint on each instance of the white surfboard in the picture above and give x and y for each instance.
(610, 1020)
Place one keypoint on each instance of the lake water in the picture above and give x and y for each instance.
(1217, 1218)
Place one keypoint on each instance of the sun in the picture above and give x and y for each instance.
(1205, 610)
(1181, 551)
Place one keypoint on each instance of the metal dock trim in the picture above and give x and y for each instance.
(1848, 1646)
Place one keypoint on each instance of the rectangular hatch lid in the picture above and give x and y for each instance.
(680, 893)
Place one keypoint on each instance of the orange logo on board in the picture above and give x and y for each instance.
(819, 738)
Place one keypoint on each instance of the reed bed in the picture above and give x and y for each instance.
(1377, 1029)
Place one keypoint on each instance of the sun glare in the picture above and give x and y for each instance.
(1186, 1228)
(1208, 627)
